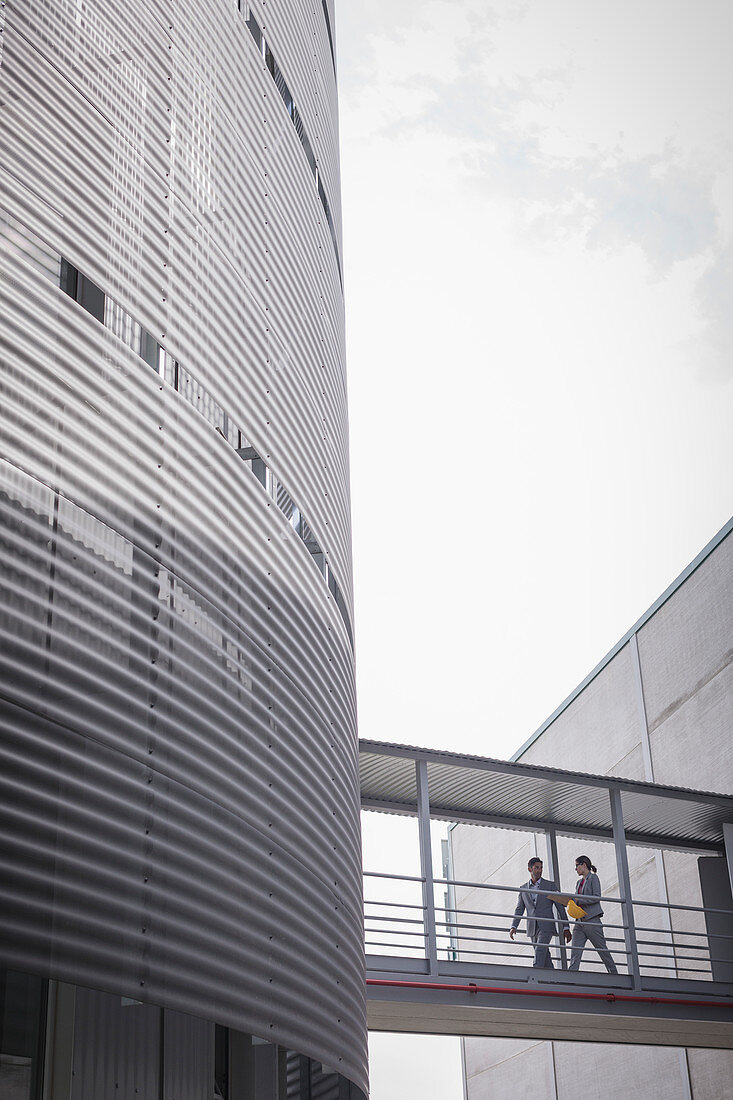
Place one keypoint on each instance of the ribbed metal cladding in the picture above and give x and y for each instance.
(179, 784)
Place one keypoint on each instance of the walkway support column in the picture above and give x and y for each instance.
(646, 752)
(426, 865)
(624, 881)
(553, 872)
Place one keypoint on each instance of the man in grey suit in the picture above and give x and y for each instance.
(541, 925)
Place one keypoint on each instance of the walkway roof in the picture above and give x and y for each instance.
(482, 791)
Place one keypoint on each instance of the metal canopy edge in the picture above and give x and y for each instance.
(576, 831)
(657, 816)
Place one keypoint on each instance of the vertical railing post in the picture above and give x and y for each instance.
(426, 865)
(553, 872)
(624, 881)
(728, 840)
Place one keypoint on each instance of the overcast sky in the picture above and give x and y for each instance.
(538, 245)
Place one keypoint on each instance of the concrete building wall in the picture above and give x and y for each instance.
(664, 716)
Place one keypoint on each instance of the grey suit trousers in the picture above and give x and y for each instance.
(590, 929)
(542, 957)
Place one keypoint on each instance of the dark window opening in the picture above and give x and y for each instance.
(340, 603)
(149, 349)
(314, 549)
(283, 90)
(68, 278)
(254, 29)
(82, 289)
(221, 1063)
(307, 147)
(330, 223)
(287, 98)
(287, 506)
(322, 197)
(23, 1001)
(330, 36)
(90, 297)
(259, 469)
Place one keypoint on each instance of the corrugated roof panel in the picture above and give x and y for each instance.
(465, 787)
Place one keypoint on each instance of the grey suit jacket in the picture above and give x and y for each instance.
(592, 886)
(537, 905)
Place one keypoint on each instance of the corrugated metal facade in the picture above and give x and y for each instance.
(180, 796)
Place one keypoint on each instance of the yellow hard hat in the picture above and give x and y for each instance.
(574, 910)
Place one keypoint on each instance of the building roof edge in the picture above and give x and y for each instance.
(651, 611)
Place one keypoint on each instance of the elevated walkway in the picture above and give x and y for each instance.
(464, 1001)
(438, 965)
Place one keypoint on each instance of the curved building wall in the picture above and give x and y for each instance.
(179, 796)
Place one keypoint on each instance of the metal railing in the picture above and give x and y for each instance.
(670, 940)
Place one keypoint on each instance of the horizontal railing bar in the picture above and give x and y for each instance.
(397, 934)
(485, 939)
(692, 958)
(522, 920)
(395, 904)
(457, 927)
(405, 949)
(503, 916)
(495, 913)
(501, 954)
(506, 918)
(510, 916)
(703, 968)
(587, 897)
(678, 953)
(394, 920)
(483, 885)
(715, 936)
(671, 946)
(675, 932)
(389, 932)
(454, 928)
(482, 912)
(684, 908)
(514, 890)
(513, 959)
(528, 945)
(466, 939)
(399, 878)
(652, 966)
(500, 939)
(679, 969)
